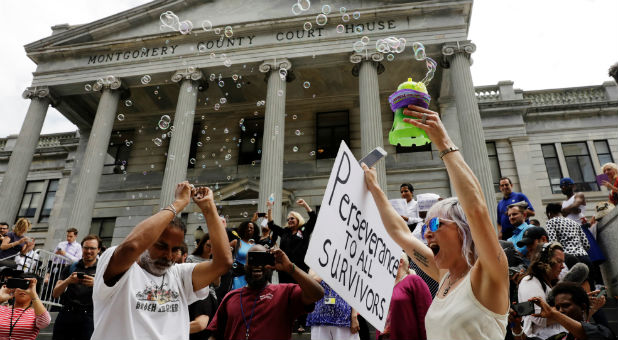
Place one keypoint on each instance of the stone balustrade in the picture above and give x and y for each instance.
(45, 141)
(487, 93)
(566, 96)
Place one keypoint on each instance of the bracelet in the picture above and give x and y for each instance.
(170, 208)
(446, 151)
(518, 334)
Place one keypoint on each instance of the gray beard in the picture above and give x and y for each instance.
(155, 267)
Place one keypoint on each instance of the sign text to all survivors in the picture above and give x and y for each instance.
(350, 248)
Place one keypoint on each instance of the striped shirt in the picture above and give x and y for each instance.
(27, 324)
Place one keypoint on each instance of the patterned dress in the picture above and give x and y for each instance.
(331, 310)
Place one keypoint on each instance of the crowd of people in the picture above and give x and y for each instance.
(457, 278)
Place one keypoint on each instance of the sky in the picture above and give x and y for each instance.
(538, 44)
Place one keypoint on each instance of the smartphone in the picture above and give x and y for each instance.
(601, 178)
(261, 214)
(373, 157)
(80, 275)
(17, 283)
(524, 308)
(603, 292)
(260, 258)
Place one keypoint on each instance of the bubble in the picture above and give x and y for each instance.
(340, 28)
(306, 84)
(241, 121)
(228, 31)
(206, 25)
(294, 117)
(146, 79)
(235, 77)
(356, 15)
(419, 51)
(252, 140)
(345, 17)
(169, 133)
(321, 19)
(307, 26)
(128, 103)
(172, 128)
(169, 19)
(157, 141)
(192, 161)
(208, 138)
(296, 9)
(218, 30)
(227, 62)
(88, 87)
(304, 4)
(390, 57)
(280, 93)
(201, 48)
(217, 106)
(312, 153)
(283, 73)
(245, 214)
(228, 157)
(156, 92)
(128, 142)
(358, 29)
(221, 83)
(120, 117)
(238, 85)
(342, 10)
(295, 149)
(199, 144)
(358, 46)
(223, 100)
(365, 40)
(252, 163)
(326, 9)
(203, 166)
(163, 136)
(185, 27)
(226, 130)
(212, 77)
(297, 132)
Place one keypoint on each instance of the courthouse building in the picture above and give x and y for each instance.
(247, 129)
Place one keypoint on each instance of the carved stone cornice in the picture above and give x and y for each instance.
(375, 58)
(40, 92)
(459, 47)
(190, 73)
(107, 83)
(275, 64)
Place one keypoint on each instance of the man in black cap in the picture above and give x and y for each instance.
(533, 236)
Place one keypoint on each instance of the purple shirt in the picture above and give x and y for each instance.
(409, 304)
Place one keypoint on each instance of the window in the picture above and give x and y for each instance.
(48, 203)
(118, 151)
(195, 137)
(552, 164)
(332, 128)
(250, 147)
(494, 164)
(605, 156)
(580, 166)
(104, 227)
(30, 200)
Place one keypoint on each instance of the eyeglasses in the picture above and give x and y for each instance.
(433, 225)
(90, 248)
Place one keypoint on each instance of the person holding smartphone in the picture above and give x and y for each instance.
(74, 287)
(25, 316)
(462, 251)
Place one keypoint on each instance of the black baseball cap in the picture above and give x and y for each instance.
(531, 234)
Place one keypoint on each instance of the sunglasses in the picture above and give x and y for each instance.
(433, 225)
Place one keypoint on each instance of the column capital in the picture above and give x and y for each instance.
(450, 49)
(190, 73)
(107, 83)
(375, 58)
(275, 64)
(39, 92)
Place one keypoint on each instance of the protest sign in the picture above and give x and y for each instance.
(400, 205)
(350, 248)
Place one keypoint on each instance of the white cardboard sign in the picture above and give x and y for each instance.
(350, 248)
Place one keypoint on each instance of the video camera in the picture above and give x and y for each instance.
(12, 278)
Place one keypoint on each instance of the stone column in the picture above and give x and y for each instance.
(180, 143)
(527, 175)
(271, 168)
(92, 164)
(367, 68)
(457, 58)
(16, 174)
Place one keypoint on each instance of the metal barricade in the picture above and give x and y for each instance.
(47, 266)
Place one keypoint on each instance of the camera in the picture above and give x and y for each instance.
(260, 258)
(11, 278)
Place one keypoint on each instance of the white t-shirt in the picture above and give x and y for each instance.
(575, 217)
(144, 306)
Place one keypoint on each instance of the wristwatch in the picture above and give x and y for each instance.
(450, 149)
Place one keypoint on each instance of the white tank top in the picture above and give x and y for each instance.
(461, 316)
(575, 217)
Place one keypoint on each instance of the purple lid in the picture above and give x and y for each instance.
(405, 97)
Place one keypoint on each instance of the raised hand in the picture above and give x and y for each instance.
(432, 125)
(371, 177)
(182, 195)
(282, 262)
(204, 198)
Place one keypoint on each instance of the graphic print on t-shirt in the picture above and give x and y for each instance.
(157, 298)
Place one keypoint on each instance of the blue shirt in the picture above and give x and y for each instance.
(503, 205)
(518, 233)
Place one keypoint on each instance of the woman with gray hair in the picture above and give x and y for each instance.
(462, 251)
(611, 170)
